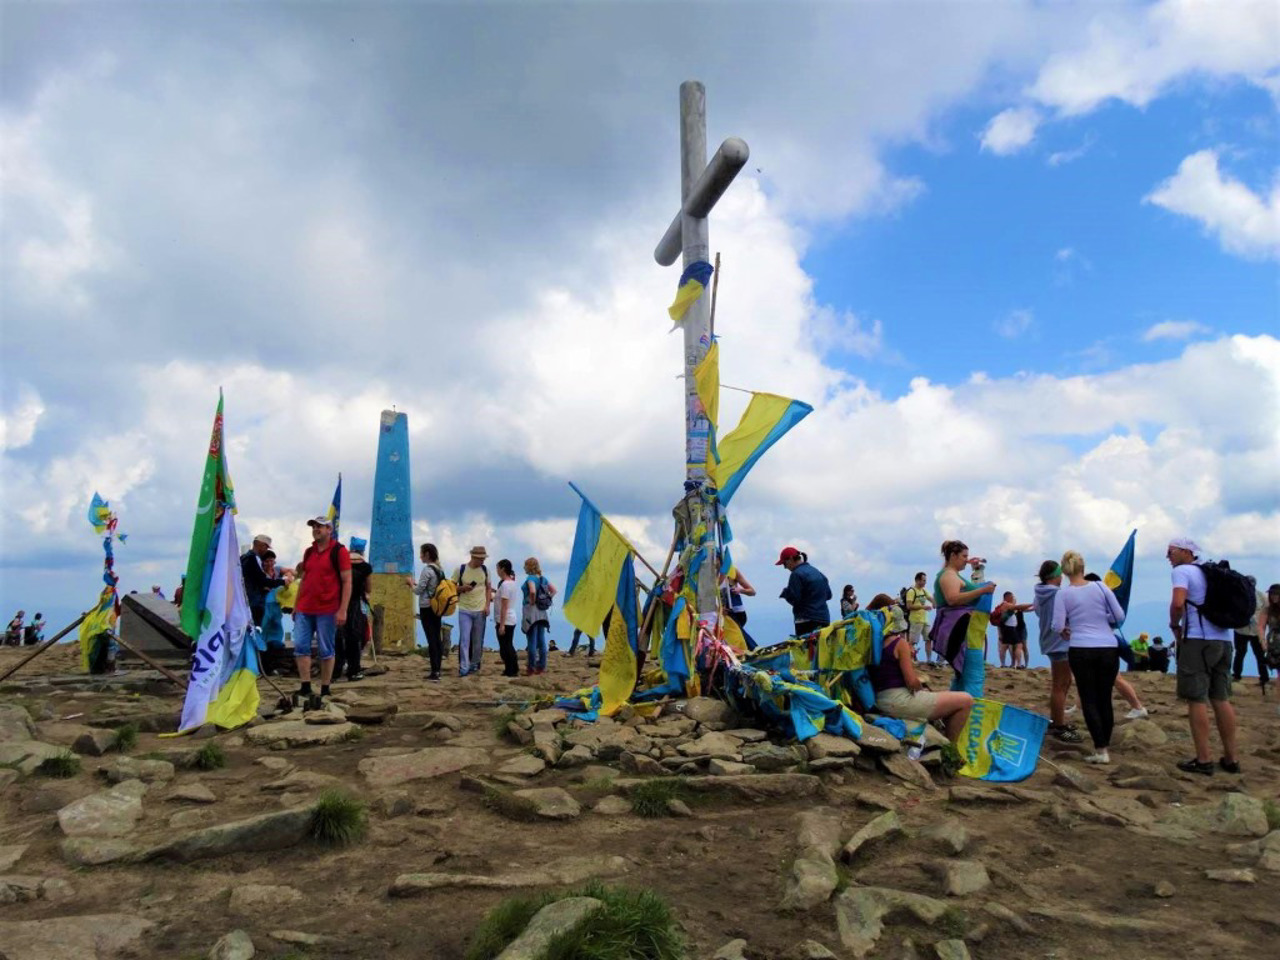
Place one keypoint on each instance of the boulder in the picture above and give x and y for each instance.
(288, 734)
(547, 924)
(877, 740)
(107, 813)
(747, 734)
(770, 756)
(951, 950)
(962, 877)
(371, 712)
(127, 768)
(1164, 889)
(424, 764)
(73, 938)
(813, 950)
(639, 763)
(1231, 876)
(236, 945)
(860, 912)
(566, 871)
(612, 806)
(266, 831)
(551, 803)
(950, 834)
(15, 723)
(905, 768)
(712, 745)
(95, 741)
(1074, 779)
(575, 757)
(829, 745)
(25, 755)
(706, 710)
(10, 855)
(525, 765)
(728, 768)
(191, 793)
(1235, 815)
(95, 851)
(1107, 922)
(1140, 733)
(880, 830)
(733, 950)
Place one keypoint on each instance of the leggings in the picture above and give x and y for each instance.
(1095, 670)
(1243, 643)
(431, 627)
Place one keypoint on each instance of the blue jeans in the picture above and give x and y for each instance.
(320, 625)
(537, 646)
(470, 640)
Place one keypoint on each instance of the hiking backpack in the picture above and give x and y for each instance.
(445, 600)
(542, 594)
(1230, 599)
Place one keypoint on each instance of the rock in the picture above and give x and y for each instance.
(371, 712)
(612, 806)
(191, 793)
(566, 871)
(770, 756)
(880, 830)
(877, 740)
(639, 763)
(275, 764)
(1080, 917)
(1164, 889)
(1235, 815)
(728, 768)
(11, 855)
(267, 831)
(94, 851)
(747, 734)
(1140, 733)
(551, 803)
(829, 745)
(255, 899)
(382, 772)
(525, 765)
(962, 877)
(951, 950)
(819, 831)
(8, 777)
(712, 745)
(302, 781)
(1074, 779)
(547, 924)
(578, 756)
(1005, 915)
(107, 813)
(25, 755)
(73, 938)
(1160, 783)
(287, 734)
(813, 879)
(978, 795)
(521, 735)
(95, 741)
(15, 723)
(733, 950)
(236, 945)
(861, 910)
(950, 834)
(148, 771)
(706, 710)
(813, 950)
(904, 768)
(190, 819)
(298, 937)
(445, 721)
(328, 716)
(1231, 876)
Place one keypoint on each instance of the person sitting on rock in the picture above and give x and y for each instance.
(900, 692)
(1158, 656)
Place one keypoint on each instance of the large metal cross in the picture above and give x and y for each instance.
(701, 185)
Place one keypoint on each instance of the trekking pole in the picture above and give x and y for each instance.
(43, 647)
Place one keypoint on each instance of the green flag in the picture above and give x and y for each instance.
(216, 496)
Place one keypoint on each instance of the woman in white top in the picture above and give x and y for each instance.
(1086, 614)
(507, 599)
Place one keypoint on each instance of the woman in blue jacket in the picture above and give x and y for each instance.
(807, 591)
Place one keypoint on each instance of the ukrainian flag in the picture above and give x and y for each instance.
(1120, 577)
(767, 418)
(600, 586)
(335, 508)
(1001, 743)
(99, 513)
(693, 282)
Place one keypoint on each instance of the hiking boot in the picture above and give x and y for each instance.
(315, 702)
(1067, 734)
(1195, 766)
(1229, 766)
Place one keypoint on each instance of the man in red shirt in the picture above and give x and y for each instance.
(323, 597)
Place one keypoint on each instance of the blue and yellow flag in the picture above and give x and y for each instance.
(693, 282)
(335, 508)
(767, 418)
(1120, 577)
(99, 513)
(601, 584)
(1001, 743)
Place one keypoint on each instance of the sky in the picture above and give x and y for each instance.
(1020, 257)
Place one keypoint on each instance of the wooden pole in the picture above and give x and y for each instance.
(715, 289)
(648, 617)
(151, 663)
(43, 647)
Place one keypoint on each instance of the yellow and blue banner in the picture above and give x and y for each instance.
(693, 281)
(767, 418)
(1001, 743)
(600, 586)
(101, 618)
(335, 508)
(1120, 576)
(99, 513)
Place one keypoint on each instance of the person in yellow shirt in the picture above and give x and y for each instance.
(919, 603)
(475, 594)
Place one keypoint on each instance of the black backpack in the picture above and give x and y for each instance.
(1230, 600)
(542, 594)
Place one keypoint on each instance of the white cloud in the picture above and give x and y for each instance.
(1014, 324)
(1246, 223)
(1174, 330)
(1010, 130)
(1062, 157)
(18, 422)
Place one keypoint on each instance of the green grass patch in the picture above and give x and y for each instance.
(126, 737)
(338, 818)
(599, 783)
(60, 766)
(210, 757)
(952, 760)
(501, 719)
(507, 804)
(352, 735)
(844, 878)
(653, 797)
(1272, 810)
(953, 923)
(632, 925)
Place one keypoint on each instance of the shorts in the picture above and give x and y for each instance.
(322, 625)
(916, 632)
(1204, 670)
(902, 703)
(1060, 657)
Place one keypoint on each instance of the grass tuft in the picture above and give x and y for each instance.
(60, 766)
(352, 735)
(1272, 810)
(953, 923)
(500, 926)
(653, 797)
(507, 804)
(210, 757)
(338, 818)
(126, 737)
(501, 719)
(952, 760)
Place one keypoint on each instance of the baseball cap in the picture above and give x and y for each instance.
(1187, 544)
(788, 553)
(320, 522)
(262, 538)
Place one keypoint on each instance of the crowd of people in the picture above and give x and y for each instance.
(19, 633)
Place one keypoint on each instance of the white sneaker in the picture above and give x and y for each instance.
(1099, 757)
(1069, 711)
(1137, 713)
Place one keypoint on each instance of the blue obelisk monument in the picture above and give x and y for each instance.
(391, 536)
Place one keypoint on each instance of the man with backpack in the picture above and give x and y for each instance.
(323, 600)
(475, 594)
(1200, 615)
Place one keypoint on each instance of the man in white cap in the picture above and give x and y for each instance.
(256, 582)
(475, 594)
(1204, 661)
(321, 608)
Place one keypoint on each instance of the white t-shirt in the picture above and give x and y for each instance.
(507, 590)
(1191, 578)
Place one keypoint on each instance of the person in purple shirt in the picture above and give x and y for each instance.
(1086, 613)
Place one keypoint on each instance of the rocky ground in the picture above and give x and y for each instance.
(827, 850)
